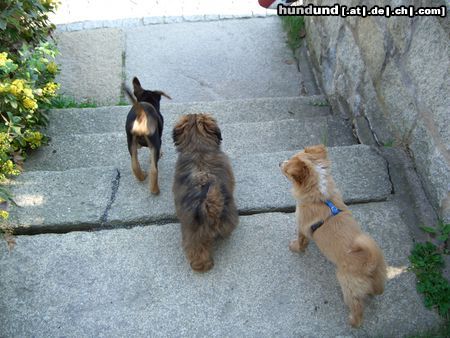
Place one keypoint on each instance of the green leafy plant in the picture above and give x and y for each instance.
(63, 102)
(294, 27)
(27, 74)
(427, 262)
(25, 22)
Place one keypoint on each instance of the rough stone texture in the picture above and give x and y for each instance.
(360, 174)
(82, 76)
(108, 119)
(110, 149)
(203, 61)
(137, 283)
(392, 76)
(76, 198)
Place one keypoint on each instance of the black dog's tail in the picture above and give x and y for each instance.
(137, 106)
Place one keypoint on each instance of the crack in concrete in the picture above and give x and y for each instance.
(114, 188)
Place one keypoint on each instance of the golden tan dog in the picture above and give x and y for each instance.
(322, 215)
(203, 188)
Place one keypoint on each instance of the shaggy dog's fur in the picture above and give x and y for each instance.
(144, 127)
(203, 188)
(361, 269)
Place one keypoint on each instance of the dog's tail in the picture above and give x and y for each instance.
(371, 260)
(211, 203)
(137, 106)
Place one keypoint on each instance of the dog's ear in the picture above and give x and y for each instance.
(178, 130)
(161, 93)
(137, 86)
(298, 170)
(319, 151)
(210, 126)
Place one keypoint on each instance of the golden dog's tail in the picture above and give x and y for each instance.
(371, 260)
(137, 106)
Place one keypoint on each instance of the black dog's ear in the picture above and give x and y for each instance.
(137, 86)
(161, 93)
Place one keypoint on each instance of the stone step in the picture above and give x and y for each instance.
(110, 149)
(104, 197)
(110, 119)
(136, 282)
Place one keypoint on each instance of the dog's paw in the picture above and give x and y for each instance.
(294, 246)
(154, 190)
(355, 320)
(202, 266)
(141, 176)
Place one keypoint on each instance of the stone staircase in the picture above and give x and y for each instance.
(64, 279)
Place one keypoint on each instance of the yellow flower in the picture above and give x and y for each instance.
(29, 103)
(50, 89)
(16, 87)
(4, 214)
(3, 59)
(28, 93)
(52, 68)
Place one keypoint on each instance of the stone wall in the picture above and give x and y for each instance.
(391, 76)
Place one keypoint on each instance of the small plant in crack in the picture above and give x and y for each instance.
(427, 262)
(320, 103)
(388, 144)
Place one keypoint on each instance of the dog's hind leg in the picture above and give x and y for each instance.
(154, 158)
(354, 291)
(229, 220)
(198, 252)
(135, 166)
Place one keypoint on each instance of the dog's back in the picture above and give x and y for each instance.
(203, 188)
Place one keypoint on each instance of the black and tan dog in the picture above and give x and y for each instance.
(144, 127)
(203, 188)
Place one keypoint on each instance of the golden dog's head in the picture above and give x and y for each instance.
(196, 131)
(308, 170)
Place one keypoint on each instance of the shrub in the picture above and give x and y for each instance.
(27, 74)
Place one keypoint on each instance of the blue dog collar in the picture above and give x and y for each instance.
(334, 209)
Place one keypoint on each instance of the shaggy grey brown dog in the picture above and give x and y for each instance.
(203, 188)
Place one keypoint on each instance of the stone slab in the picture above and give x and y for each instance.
(91, 65)
(360, 174)
(136, 282)
(206, 61)
(110, 149)
(76, 199)
(112, 118)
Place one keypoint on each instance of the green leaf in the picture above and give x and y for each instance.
(429, 230)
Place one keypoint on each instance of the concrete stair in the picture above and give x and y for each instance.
(64, 278)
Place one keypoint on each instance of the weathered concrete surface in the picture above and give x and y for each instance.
(137, 283)
(392, 77)
(76, 198)
(110, 149)
(203, 61)
(82, 76)
(109, 119)
(360, 173)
